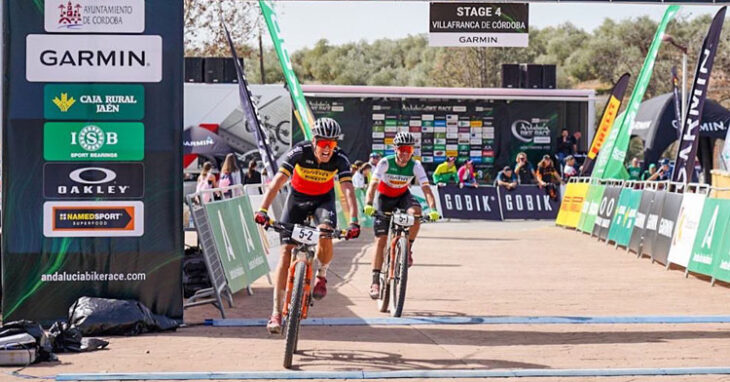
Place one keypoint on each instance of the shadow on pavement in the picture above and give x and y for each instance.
(383, 361)
(482, 336)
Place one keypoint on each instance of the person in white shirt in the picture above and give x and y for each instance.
(569, 170)
(361, 175)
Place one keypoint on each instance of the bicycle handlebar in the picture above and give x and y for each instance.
(323, 232)
(421, 218)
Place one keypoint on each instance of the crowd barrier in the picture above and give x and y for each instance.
(672, 223)
(231, 242)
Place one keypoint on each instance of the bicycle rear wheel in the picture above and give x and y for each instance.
(295, 313)
(399, 282)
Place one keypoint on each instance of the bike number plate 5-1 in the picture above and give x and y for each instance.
(305, 235)
(404, 220)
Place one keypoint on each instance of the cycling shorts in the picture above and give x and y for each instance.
(387, 204)
(298, 207)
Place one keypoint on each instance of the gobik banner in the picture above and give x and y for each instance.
(637, 235)
(237, 240)
(470, 203)
(91, 156)
(652, 223)
(688, 222)
(606, 211)
(711, 235)
(665, 229)
(623, 219)
(527, 202)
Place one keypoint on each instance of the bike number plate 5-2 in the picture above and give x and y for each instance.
(305, 235)
(404, 220)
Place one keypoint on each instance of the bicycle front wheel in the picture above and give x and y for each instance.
(295, 313)
(384, 298)
(399, 282)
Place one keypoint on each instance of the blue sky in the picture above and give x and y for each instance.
(305, 22)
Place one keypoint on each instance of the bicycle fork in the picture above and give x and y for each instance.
(290, 287)
(391, 253)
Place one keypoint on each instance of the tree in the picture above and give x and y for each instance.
(204, 34)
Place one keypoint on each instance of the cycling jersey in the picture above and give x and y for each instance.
(313, 178)
(394, 179)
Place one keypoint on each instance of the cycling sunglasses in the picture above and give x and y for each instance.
(405, 149)
(323, 143)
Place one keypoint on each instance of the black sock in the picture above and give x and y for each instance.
(376, 276)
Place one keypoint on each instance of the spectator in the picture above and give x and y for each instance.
(354, 166)
(446, 173)
(569, 170)
(206, 181)
(547, 176)
(252, 176)
(565, 145)
(576, 140)
(466, 175)
(523, 169)
(230, 174)
(664, 171)
(634, 170)
(361, 174)
(507, 178)
(373, 160)
(651, 173)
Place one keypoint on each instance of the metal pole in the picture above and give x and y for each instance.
(684, 87)
(261, 61)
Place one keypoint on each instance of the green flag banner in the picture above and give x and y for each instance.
(300, 104)
(610, 163)
(238, 242)
(706, 254)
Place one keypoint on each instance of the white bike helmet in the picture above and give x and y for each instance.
(404, 139)
(326, 128)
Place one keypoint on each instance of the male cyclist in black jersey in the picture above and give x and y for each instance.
(312, 166)
(391, 179)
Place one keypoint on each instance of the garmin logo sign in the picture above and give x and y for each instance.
(93, 58)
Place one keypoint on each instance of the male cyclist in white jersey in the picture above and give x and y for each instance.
(391, 179)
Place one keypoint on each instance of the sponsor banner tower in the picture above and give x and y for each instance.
(92, 155)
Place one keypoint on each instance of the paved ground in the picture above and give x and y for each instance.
(462, 269)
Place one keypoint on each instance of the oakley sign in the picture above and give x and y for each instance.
(79, 181)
